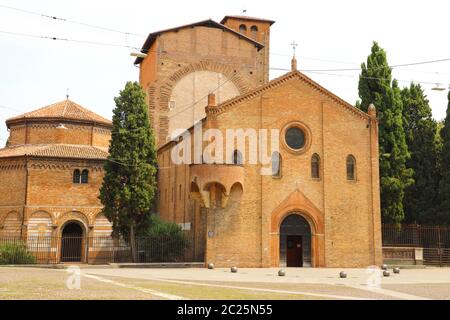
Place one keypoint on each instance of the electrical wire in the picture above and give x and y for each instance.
(67, 39)
(272, 68)
(52, 17)
(70, 21)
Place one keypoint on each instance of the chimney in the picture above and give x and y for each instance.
(211, 100)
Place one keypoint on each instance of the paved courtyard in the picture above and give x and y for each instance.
(91, 282)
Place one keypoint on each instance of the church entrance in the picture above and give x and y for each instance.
(72, 242)
(295, 242)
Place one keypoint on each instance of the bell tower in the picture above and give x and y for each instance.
(257, 29)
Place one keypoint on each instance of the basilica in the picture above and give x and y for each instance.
(313, 202)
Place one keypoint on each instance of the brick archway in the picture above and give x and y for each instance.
(159, 94)
(230, 72)
(297, 203)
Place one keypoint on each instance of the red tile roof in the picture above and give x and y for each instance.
(246, 18)
(55, 151)
(65, 109)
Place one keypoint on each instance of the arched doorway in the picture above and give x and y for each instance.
(295, 242)
(72, 242)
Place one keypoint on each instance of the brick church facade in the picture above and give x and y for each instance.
(320, 207)
(317, 203)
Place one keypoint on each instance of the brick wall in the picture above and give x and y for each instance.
(176, 54)
(344, 215)
(48, 133)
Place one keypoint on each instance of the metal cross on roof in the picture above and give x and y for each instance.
(294, 46)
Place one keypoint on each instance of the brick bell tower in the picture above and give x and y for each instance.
(257, 29)
(182, 65)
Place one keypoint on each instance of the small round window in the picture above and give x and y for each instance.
(295, 138)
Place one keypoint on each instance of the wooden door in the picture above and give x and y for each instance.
(294, 251)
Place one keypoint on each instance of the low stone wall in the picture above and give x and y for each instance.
(403, 255)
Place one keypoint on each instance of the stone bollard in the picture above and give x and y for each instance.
(210, 266)
(384, 267)
(281, 273)
(343, 274)
(396, 270)
(233, 269)
(386, 273)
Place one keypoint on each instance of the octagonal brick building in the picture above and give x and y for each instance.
(51, 171)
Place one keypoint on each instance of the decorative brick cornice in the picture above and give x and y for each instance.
(56, 164)
(294, 75)
(12, 165)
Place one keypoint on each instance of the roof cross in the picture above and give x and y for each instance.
(294, 46)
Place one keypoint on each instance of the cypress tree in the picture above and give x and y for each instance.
(444, 186)
(420, 128)
(376, 86)
(129, 184)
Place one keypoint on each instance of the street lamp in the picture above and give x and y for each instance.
(138, 54)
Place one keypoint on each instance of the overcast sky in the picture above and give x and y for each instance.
(331, 34)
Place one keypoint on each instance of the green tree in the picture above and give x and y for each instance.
(376, 86)
(420, 128)
(444, 186)
(129, 184)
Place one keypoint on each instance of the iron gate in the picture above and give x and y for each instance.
(71, 249)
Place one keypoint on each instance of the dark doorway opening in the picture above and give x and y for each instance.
(294, 251)
(295, 242)
(72, 243)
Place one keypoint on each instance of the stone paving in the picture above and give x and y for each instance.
(200, 283)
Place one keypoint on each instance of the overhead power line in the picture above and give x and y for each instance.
(68, 40)
(272, 68)
(108, 29)
(70, 21)
(374, 68)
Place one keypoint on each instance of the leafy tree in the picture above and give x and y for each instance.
(165, 241)
(129, 184)
(376, 86)
(444, 186)
(420, 128)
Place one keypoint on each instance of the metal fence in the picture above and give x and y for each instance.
(92, 250)
(435, 241)
(416, 236)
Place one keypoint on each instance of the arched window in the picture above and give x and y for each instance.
(237, 157)
(276, 164)
(315, 166)
(76, 176)
(351, 167)
(84, 176)
(242, 28)
(254, 30)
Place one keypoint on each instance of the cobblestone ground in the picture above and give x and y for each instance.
(264, 284)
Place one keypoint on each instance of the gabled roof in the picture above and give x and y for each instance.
(224, 106)
(246, 18)
(55, 151)
(63, 110)
(279, 81)
(205, 23)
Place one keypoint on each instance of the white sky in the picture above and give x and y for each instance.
(331, 34)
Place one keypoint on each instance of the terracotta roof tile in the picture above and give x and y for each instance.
(55, 151)
(65, 109)
(246, 18)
